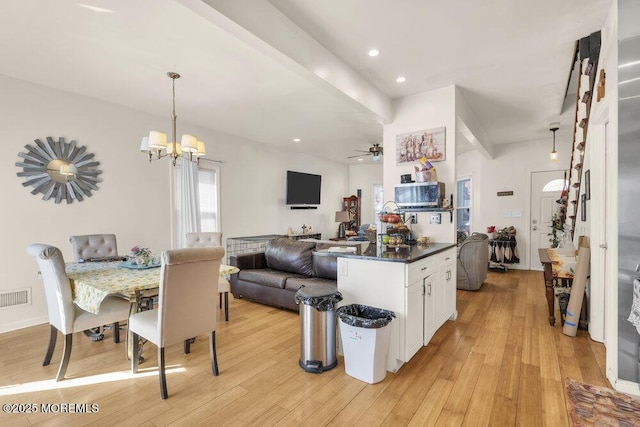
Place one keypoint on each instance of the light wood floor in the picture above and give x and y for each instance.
(498, 364)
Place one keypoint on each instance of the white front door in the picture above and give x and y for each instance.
(546, 188)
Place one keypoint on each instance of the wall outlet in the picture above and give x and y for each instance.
(435, 218)
(414, 218)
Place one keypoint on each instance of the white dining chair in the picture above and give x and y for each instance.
(64, 315)
(186, 306)
(89, 246)
(206, 240)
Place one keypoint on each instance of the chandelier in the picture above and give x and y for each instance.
(157, 147)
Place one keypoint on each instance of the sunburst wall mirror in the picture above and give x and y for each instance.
(59, 170)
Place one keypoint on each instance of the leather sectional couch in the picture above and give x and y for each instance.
(274, 276)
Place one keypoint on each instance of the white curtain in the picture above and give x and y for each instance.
(189, 220)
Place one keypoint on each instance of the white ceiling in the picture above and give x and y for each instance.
(511, 58)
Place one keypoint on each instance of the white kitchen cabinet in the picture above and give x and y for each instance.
(449, 263)
(416, 290)
(414, 309)
(417, 273)
(429, 324)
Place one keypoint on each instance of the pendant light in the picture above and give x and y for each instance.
(553, 127)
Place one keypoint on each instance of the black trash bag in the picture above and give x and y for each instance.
(365, 316)
(322, 298)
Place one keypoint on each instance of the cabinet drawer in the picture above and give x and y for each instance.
(447, 257)
(419, 269)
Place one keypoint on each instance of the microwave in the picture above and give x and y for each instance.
(419, 195)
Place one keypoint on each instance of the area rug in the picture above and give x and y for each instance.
(591, 405)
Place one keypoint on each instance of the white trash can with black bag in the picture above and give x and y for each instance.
(318, 327)
(365, 332)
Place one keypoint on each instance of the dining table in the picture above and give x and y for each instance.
(92, 282)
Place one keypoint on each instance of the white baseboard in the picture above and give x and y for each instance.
(625, 386)
(25, 323)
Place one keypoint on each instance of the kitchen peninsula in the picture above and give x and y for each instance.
(417, 283)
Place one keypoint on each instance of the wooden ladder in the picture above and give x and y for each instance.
(587, 53)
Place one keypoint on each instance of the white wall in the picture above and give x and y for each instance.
(419, 112)
(133, 200)
(363, 177)
(510, 170)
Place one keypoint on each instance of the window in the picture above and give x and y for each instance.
(463, 205)
(208, 195)
(555, 185)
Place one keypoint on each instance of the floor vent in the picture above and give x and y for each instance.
(15, 298)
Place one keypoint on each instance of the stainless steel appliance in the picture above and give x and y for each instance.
(628, 189)
(419, 195)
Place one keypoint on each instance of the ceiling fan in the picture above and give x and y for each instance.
(375, 151)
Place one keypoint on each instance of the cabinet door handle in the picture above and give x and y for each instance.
(429, 286)
(447, 258)
(423, 268)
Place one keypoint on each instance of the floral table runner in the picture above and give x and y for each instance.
(92, 282)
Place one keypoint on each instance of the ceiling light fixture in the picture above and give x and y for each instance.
(374, 52)
(401, 79)
(296, 139)
(553, 127)
(156, 143)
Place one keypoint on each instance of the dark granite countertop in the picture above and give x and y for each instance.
(405, 254)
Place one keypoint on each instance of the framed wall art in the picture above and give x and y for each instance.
(587, 183)
(431, 143)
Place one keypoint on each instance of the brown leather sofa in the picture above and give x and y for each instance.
(274, 276)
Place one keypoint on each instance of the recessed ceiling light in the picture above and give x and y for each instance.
(359, 160)
(374, 52)
(296, 139)
(94, 8)
(401, 79)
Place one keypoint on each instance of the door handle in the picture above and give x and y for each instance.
(603, 246)
(534, 228)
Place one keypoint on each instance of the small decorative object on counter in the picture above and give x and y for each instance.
(140, 255)
(426, 172)
(490, 231)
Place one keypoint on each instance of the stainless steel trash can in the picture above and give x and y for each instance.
(317, 327)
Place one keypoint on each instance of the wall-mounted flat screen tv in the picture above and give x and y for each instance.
(303, 188)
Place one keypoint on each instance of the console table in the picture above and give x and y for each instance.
(551, 275)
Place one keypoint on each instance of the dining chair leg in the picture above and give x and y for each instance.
(116, 332)
(187, 346)
(53, 336)
(220, 300)
(66, 355)
(135, 353)
(226, 306)
(212, 353)
(163, 377)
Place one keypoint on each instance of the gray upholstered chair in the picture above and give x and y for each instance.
(206, 240)
(186, 306)
(473, 262)
(64, 315)
(94, 246)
